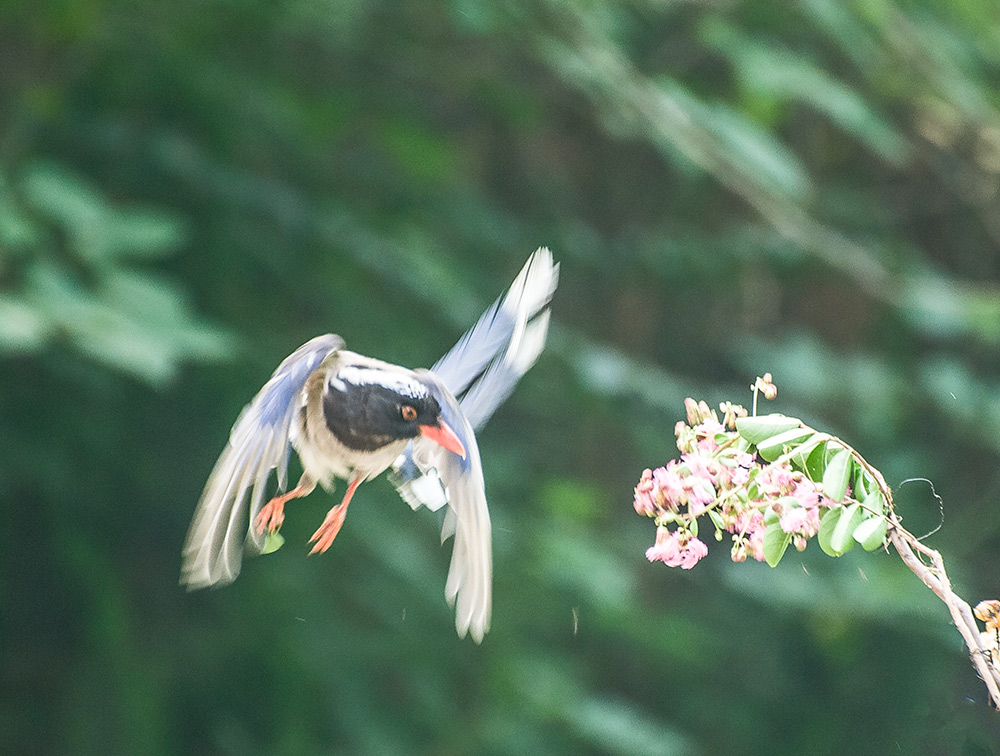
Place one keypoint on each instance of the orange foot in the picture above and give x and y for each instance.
(324, 535)
(272, 514)
(270, 517)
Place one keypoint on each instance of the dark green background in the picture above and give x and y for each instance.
(191, 189)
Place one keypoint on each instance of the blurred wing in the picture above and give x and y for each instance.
(483, 368)
(446, 477)
(259, 443)
(493, 387)
(491, 357)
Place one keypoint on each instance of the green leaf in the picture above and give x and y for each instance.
(136, 233)
(753, 490)
(837, 475)
(272, 542)
(841, 539)
(761, 428)
(771, 71)
(16, 228)
(775, 168)
(827, 522)
(871, 533)
(776, 541)
(815, 462)
(775, 446)
(98, 230)
(836, 528)
(63, 196)
(874, 501)
(861, 484)
(617, 726)
(23, 326)
(717, 520)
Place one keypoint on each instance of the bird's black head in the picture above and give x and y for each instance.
(367, 408)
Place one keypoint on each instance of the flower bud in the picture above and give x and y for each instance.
(730, 412)
(766, 386)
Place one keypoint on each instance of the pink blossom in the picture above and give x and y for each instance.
(792, 519)
(775, 480)
(757, 544)
(736, 472)
(747, 521)
(690, 482)
(693, 553)
(666, 549)
(748, 527)
(699, 466)
(706, 434)
(675, 549)
(806, 494)
(801, 520)
(671, 487)
(645, 495)
(700, 494)
(739, 477)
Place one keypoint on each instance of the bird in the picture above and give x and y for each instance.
(352, 417)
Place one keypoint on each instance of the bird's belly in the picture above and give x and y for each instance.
(324, 458)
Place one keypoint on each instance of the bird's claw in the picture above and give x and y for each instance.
(324, 535)
(270, 516)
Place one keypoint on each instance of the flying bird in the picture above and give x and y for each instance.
(353, 417)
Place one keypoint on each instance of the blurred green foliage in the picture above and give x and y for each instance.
(190, 190)
(66, 263)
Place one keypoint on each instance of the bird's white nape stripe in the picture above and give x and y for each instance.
(403, 385)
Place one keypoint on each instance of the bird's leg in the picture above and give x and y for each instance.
(272, 514)
(334, 519)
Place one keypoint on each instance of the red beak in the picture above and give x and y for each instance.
(444, 436)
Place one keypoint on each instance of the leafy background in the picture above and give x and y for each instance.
(189, 190)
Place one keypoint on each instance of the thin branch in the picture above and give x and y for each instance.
(933, 575)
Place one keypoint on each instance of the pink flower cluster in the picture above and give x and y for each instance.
(791, 496)
(717, 477)
(748, 528)
(685, 483)
(676, 548)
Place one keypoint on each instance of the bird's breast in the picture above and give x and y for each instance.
(324, 456)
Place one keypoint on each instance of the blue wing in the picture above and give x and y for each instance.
(487, 362)
(259, 442)
(483, 368)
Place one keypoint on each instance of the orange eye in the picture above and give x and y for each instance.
(408, 413)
